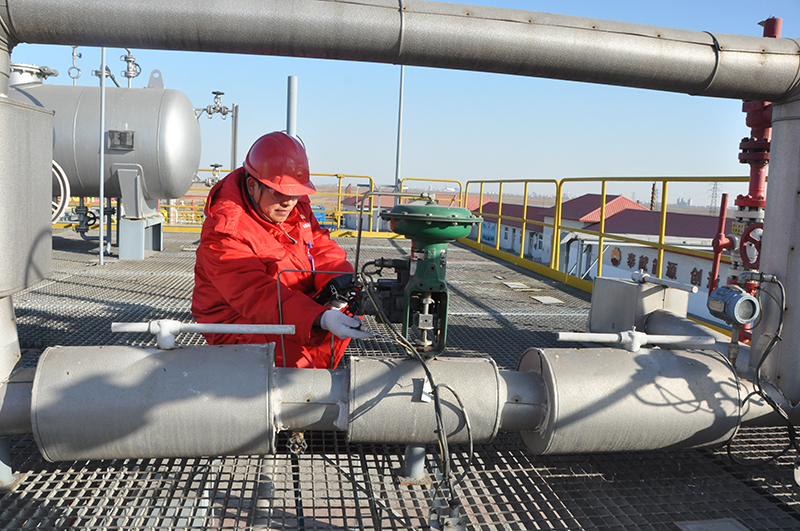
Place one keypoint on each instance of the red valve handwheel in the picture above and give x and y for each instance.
(747, 237)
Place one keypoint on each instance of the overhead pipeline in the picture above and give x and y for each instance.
(432, 34)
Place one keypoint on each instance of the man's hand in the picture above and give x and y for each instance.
(342, 326)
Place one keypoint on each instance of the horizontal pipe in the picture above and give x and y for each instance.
(611, 400)
(665, 322)
(127, 402)
(633, 340)
(310, 399)
(15, 403)
(205, 328)
(642, 278)
(525, 401)
(429, 34)
(165, 330)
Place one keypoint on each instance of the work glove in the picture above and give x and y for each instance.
(336, 304)
(342, 326)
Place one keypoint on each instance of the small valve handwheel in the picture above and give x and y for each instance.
(754, 242)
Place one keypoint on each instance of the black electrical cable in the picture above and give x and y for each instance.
(758, 390)
(469, 434)
(444, 450)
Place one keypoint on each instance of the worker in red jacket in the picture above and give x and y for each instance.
(259, 223)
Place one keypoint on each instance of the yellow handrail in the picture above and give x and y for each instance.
(524, 220)
(557, 226)
(189, 217)
(422, 179)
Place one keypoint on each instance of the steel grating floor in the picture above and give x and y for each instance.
(336, 485)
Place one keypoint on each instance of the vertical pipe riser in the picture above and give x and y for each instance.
(291, 107)
(9, 340)
(780, 253)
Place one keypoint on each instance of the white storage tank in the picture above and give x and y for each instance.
(152, 127)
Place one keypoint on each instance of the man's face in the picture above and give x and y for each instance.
(275, 205)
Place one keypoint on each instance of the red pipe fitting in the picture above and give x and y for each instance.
(755, 149)
(720, 244)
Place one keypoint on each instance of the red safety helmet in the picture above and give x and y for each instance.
(279, 161)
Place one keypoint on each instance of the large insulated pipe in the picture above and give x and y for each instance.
(114, 402)
(428, 34)
(651, 400)
(780, 255)
(123, 402)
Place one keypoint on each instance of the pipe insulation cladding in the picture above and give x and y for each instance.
(26, 153)
(127, 402)
(117, 402)
(611, 400)
(432, 34)
(163, 136)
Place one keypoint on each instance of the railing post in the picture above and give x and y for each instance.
(480, 209)
(499, 217)
(524, 222)
(662, 229)
(337, 215)
(556, 244)
(602, 229)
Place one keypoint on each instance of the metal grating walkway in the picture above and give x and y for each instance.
(336, 485)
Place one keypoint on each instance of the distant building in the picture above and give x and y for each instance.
(624, 217)
(578, 213)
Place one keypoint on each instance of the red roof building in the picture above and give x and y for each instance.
(586, 208)
(648, 222)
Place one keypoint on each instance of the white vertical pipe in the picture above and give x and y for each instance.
(102, 146)
(5, 70)
(399, 133)
(234, 134)
(780, 253)
(291, 108)
(9, 340)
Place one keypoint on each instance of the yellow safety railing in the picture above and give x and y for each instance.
(186, 214)
(183, 214)
(553, 271)
(499, 216)
(340, 196)
(456, 197)
(190, 216)
(660, 245)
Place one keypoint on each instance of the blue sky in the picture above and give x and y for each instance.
(468, 125)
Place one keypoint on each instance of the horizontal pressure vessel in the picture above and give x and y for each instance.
(154, 128)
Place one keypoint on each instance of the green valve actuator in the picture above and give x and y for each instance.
(418, 297)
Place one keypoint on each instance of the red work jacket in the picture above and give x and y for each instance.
(236, 274)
